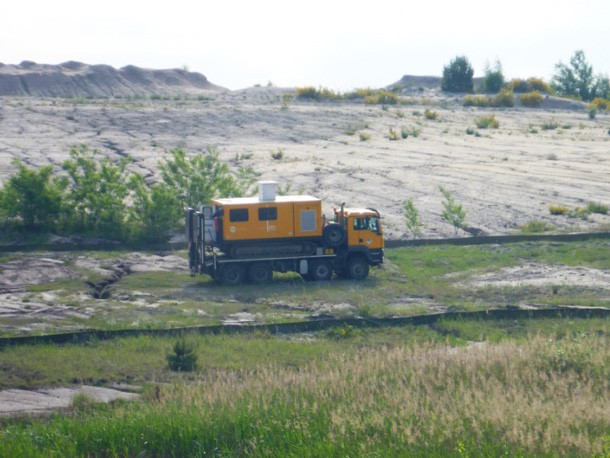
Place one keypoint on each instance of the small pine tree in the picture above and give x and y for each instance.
(453, 212)
(184, 358)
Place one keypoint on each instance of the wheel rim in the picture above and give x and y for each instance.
(334, 235)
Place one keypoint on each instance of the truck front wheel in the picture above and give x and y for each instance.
(232, 274)
(357, 268)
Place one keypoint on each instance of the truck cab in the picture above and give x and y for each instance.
(364, 235)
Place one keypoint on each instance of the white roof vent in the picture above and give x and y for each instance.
(266, 191)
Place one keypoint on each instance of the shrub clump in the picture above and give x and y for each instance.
(600, 104)
(431, 115)
(487, 122)
(374, 96)
(477, 100)
(536, 227)
(558, 209)
(532, 84)
(550, 125)
(531, 99)
(505, 98)
(311, 93)
(595, 207)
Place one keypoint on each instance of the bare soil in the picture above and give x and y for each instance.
(504, 177)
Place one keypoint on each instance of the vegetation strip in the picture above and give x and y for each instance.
(314, 325)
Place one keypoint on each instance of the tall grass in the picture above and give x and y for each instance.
(548, 397)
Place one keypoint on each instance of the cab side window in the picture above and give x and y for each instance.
(359, 224)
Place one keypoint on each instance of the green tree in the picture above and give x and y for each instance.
(198, 179)
(453, 212)
(97, 190)
(32, 197)
(155, 211)
(493, 80)
(577, 79)
(412, 218)
(457, 76)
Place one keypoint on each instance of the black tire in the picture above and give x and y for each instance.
(260, 272)
(357, 268)
(321, 270)
(232, 274)
(334, 235)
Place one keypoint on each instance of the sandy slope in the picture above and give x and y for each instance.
(504, 178)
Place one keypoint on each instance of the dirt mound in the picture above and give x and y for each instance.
(76, 79)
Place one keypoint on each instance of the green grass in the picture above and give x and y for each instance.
(461, 388)
(412, 280)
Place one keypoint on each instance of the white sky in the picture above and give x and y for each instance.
(337, 44)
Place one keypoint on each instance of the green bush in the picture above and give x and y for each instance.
(392, 135)
(32, 198)
(493, 80)
(593, 207)
(531, 99)
(487, 121)
(457, 75)
(97, 190)
(155, 211)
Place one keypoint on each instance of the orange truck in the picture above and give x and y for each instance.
(249, 238)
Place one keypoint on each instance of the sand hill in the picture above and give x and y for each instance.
(75, 79)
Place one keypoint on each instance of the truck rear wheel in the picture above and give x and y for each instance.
(260, 272)
(232, 274)
(334, 235)
(357, 268)
(320, 270)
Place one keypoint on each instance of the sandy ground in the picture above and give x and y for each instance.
(504, 177)
(20, 402)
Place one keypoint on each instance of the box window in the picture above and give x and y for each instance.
(238, 215)
(267, 214)
(308, 220)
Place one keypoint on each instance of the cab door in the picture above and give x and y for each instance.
(365, 231)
